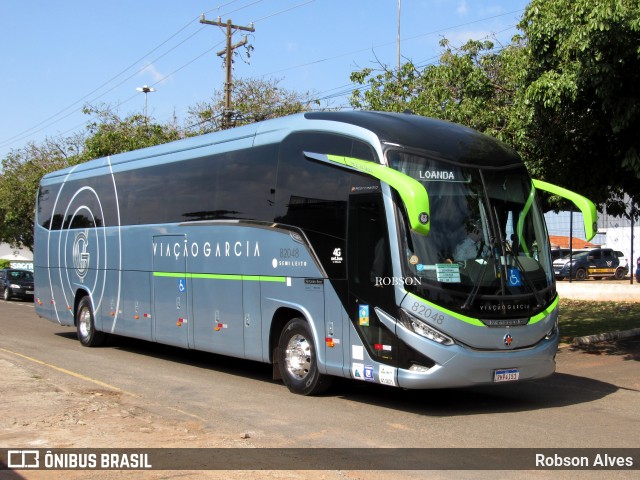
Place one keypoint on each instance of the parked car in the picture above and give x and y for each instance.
(638, 270)
(597, 263)
(557, 253)
(16, 283)
(624, 262)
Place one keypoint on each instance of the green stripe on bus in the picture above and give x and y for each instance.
(546, 312)
(478, 323)
(222, 276)
(464, 318)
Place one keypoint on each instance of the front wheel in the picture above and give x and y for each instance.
(86, 326)
(6, 295)
(298, 361)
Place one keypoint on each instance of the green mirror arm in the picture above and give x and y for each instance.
(413, 194)
(586, 206)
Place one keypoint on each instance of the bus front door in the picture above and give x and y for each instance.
(369, 274)
(171, 319)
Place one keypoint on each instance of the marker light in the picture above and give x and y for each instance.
(424, 330)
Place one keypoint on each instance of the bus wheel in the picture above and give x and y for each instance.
(298, 361)
(85, 324)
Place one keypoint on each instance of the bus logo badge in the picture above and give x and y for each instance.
(508, 340)
(80, 254)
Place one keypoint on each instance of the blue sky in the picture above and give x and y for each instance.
(57, 56)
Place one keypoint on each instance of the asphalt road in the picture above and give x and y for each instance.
(592, 401)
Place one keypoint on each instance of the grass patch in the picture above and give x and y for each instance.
(579, 318)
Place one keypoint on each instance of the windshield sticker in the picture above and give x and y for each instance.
(448, 272)
(514, 277)
(363, 315)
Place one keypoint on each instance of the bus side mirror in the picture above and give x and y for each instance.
(586, 206)
(413, 194)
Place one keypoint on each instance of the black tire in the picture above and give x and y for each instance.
(298, 361)
(6, 295)
(581, 274)
(620, 273)
(86, 326)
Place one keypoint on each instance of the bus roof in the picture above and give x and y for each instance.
(441, 139)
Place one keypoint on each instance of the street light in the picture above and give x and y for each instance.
(145, 89)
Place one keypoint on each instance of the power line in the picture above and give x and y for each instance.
(32, 130)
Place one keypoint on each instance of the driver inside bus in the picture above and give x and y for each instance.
(472, 246)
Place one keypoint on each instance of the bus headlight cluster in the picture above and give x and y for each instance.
(551, 333)
(423, 329)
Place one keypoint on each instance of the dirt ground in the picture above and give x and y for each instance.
(45, 409)
(54, 410)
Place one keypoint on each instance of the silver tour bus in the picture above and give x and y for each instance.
(388, 248)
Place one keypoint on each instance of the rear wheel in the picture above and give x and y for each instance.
(581, 274)
(298, 361)
(620, 273)
(86, 326)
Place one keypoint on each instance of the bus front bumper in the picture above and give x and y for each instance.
(459, 366)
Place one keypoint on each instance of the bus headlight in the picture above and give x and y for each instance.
(423, 329)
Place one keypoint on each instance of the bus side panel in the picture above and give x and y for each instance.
(251, 294)
(218, 322)
(61, 297)
(337, 336)
(131, 316)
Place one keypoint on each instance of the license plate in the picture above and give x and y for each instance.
(29, 292)
(506, 375)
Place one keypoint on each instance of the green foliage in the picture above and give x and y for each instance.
(110, 134)
(21, 173)
(254, 100)
(474, 86)
(582, 90)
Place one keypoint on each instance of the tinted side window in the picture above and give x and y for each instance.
(246, 184)
(46, 198)
(313, 195)
(85, 203)
(231, 185)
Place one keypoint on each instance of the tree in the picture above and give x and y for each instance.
(474, 86)
(583, 95)
(110, 134)
(21, 173)
(254, 100)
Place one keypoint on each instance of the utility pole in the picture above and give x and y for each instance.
(228, 54)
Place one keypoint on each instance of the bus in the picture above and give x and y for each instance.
(328, 244)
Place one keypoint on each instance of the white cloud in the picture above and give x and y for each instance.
(156, 76)
(462, 8)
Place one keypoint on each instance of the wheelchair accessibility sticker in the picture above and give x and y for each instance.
(514, 277)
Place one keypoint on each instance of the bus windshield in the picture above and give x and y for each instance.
(488, 251)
